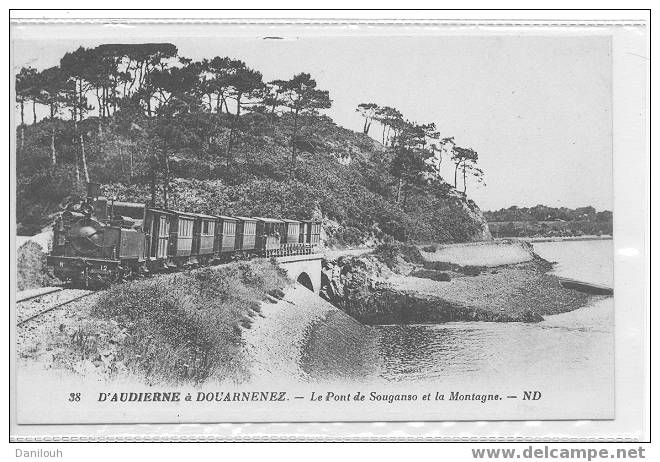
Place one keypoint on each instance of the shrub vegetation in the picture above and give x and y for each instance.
(31, 270)
(187, 327)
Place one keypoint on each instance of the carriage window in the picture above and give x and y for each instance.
(164, 226)
(185, 228)
(205, 227)
(230, 227)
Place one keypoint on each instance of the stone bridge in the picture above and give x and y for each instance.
(304, 269)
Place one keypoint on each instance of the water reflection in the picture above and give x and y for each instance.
(428, 351)
(573, 345)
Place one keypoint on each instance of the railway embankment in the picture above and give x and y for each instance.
(240, 322)
(181, 327)
(487, 281)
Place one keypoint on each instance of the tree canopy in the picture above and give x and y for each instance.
(142, 119)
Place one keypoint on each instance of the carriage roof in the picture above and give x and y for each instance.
(161, 211)
(268, 220)
(205, 216)
(183, 214)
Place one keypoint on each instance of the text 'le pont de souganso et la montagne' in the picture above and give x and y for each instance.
(279, 396)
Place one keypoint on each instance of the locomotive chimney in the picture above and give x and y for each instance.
(93, 190)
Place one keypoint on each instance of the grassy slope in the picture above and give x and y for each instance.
(185, 327)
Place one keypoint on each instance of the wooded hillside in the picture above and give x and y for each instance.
(211, 136)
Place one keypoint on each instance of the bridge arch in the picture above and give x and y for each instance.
(303, 269)
(304, 280)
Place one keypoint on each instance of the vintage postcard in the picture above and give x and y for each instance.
(219, 222)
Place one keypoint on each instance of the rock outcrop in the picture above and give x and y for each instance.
(358, 286)
(389, 288)
(347, 279)
(470, 209)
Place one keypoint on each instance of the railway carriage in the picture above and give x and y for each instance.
(314, 233)
(291, 231)
(269, 232)
(96, 241)
(157, 224)
(181, 237)
(225, 237)
(302, 235)
(204, 234)
(246, 235)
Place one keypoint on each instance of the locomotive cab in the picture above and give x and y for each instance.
(92, 244)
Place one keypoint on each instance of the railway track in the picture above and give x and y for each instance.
(30, 294)
(34, 307)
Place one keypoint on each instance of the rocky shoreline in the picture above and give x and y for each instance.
(409, 288)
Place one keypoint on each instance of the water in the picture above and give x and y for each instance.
(589, 261)
(569, 348)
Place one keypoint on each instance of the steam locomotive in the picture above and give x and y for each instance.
(97, 241)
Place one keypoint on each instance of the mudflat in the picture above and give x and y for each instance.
(510, 290)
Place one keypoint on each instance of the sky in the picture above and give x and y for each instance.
(537, 109)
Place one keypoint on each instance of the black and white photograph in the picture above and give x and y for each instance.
(272, 223)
